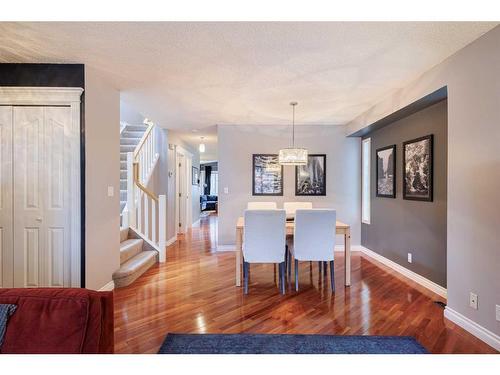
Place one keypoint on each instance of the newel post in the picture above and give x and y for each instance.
(162, 227)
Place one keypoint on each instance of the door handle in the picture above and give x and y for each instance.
(39, 219)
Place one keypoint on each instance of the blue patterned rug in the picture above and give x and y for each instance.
(288, 344)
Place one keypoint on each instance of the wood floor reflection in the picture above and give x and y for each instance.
(194, 292)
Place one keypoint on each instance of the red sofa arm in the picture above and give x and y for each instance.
(56, 321)
(107, 340)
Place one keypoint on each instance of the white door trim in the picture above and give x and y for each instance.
(180, 217)
(189, 191)
(184, 187)
(63, 96)
(46, 96)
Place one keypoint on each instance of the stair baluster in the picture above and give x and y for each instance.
(146, 213)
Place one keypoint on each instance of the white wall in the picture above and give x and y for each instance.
(102, 169)
(472, 76)
(236, 144)
(158, 182)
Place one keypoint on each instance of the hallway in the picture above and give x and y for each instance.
(194, 292)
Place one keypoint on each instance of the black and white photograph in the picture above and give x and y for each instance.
(310, 179)
(267, 175)
(417, 168)
(386, 176)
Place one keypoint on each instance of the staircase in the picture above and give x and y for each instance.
(129, 139)
(142, 213)
(136, 257)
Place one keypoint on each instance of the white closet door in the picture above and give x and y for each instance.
(57, 188)
(6, 222)
(41, 196)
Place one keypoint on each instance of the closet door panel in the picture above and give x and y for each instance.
(6, 219)
(57, 195)
(28, 212)
(41, 196)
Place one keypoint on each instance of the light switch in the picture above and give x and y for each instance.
(473, 300)
(111, 191)
(226, 190)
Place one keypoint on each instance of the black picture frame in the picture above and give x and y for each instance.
(260, 161)
(425, 183)
(391, 164)
(194, 176)
(315, 188)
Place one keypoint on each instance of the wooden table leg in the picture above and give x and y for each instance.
(347, 257)
(239, 243)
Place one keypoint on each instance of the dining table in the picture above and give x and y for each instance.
(340, 228)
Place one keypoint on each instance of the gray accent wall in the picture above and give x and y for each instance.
(472, 76)
(401, 226)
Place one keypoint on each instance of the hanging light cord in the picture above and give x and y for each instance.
(293, 104)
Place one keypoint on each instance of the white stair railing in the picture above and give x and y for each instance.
(145, 212)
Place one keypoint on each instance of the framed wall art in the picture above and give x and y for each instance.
(386, 172)
(267, 175)
(310, 179)
(418, 169)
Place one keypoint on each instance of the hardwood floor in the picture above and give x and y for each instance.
(194, 292)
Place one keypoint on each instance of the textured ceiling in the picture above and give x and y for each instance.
(193, 138)
(195, 75)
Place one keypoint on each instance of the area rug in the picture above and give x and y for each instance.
(288, 344)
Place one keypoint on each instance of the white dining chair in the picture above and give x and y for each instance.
(261, 206)
(314, 239)
(291, 207)
(264, 242)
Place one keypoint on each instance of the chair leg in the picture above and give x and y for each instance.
(279, 276)
(289, 264)
(332, 278)
(296, 275)
(246, 268)
(244, 273)
(319, 268)
(287, 257)
(324, 268)
(282, 277)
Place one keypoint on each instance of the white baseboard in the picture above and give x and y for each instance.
(108, 287)
(226, 247)
(172, 240)
(340, 248)
(438, 289)
(472, 327)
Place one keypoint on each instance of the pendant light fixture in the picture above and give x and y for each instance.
(293, 155)
(201, 147)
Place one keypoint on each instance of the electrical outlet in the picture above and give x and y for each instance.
(111, 191)
(473, 300)
(498, 312)
(410, 259)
